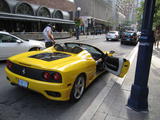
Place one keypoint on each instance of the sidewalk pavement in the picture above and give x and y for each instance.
(81, 38)
(110, 104)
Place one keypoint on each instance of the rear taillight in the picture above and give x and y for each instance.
(131, 36)
(9, 64)
(52, 77)
(46, 75)
(135, 37)
(57, 76)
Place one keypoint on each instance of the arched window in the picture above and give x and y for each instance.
(44, 12)
(24, 8)
(66, 15)
(4, 7)
(58, 14)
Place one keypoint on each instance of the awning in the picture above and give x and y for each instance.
(100, 21)
(33, 18)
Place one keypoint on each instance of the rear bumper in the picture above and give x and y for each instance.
(111, 38)
(53, 91)
(129, 41)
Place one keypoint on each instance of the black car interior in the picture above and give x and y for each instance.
(77, 48)
(74, 49)
(112, 63)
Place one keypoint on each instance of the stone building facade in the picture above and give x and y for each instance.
(109, 13)
(56, 4)
(95, 8)
(127, 8)
(98, 13)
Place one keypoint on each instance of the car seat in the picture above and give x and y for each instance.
(58, 47)
(76, 49)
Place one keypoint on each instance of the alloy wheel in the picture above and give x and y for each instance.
(79, 87)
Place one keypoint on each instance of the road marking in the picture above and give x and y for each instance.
(91, 110)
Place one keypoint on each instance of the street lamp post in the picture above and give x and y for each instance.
(138, 100)
(88, 26)
(77, 22)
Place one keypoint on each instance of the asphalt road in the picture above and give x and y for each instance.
(21, 104)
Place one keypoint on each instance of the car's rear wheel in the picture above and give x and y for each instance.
(78, 88)
(135, 43)
(34, 49)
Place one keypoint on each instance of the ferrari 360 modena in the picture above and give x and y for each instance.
(62, 72)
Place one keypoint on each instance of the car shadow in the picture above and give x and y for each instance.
(112, 41)
(29, 104)
(127, 45)
(2, 62)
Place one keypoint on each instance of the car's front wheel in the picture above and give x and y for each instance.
(78, 88)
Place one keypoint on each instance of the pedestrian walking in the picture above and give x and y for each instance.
(48, 35)
(157, 37)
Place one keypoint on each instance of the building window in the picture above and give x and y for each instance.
(44, 12)
(24, 8)
(58, 14)
(4, 6)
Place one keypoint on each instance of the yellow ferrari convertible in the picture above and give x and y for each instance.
(62, 72)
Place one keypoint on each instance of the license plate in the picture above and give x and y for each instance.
(23, 83)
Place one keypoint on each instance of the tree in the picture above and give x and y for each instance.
(156, 19)
(157, 14)
(140, 14)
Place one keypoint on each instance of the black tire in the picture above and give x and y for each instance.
(75, 95)
(13, 84)
(34, 49)
(135, 44)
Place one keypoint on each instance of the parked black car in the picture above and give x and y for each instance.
(129, 37)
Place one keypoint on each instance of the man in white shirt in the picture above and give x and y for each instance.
(48, 36)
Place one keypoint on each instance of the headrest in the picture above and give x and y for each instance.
(76, 49)
(58, 47)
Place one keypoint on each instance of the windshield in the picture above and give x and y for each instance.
(128, 33)
(112, 32)
(22, 38)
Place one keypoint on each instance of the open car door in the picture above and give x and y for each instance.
(117, 66)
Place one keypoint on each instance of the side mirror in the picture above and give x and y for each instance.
(105, 52)
(19, 41)
(111, 52)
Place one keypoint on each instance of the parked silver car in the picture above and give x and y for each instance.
(112, 35)
(11, 45)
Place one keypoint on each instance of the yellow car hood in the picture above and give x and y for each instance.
(27, 60)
